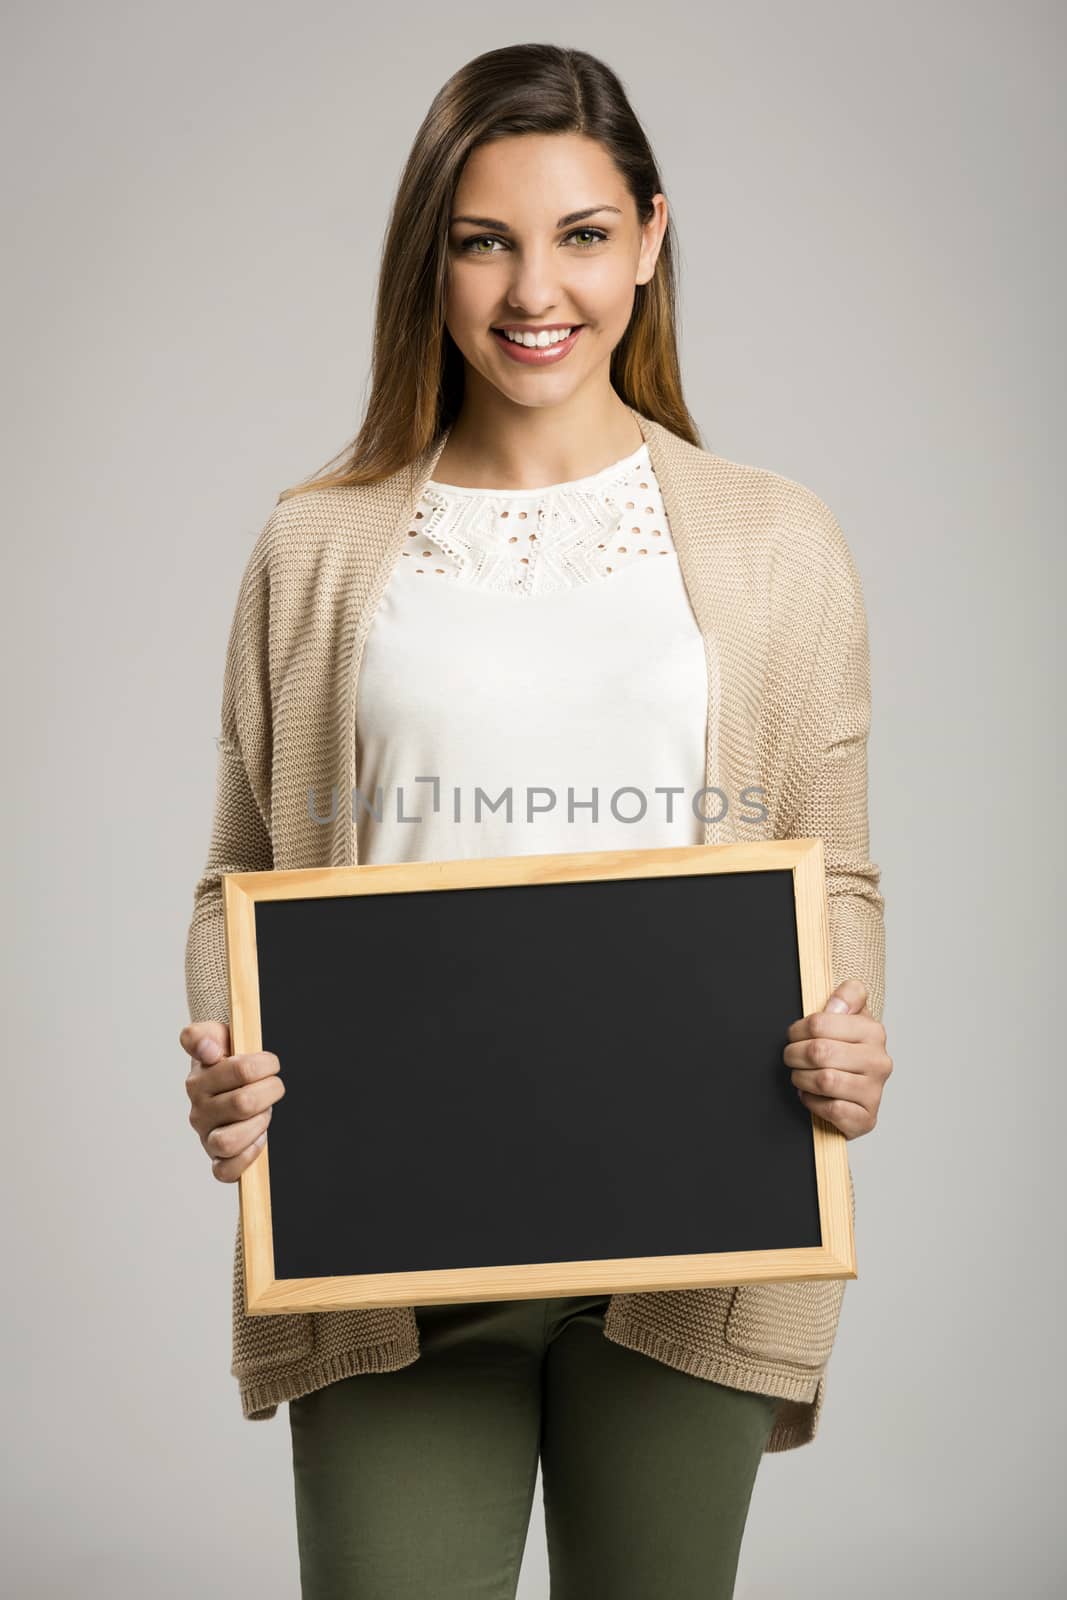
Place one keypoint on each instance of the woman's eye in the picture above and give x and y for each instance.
(593, 236)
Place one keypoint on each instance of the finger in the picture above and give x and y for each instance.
(247, 1100)
(833, 1083)
(854, 1026)
(230, 1170)
(845, 1115)
(230, 1072)
(205, 1041)
(849, 995)
(228, 1139)
(257, 1085)
(835, 1053)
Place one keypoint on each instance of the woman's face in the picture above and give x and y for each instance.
(544, 235)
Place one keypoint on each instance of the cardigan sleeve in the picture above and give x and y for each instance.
(240, 839)
(833, 806)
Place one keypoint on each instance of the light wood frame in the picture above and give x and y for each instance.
(265, 1294)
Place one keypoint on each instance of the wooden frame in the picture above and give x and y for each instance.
(266, 1294)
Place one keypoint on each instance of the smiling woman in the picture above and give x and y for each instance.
(538, 303)
(553, 340)
(500, 239)
(526, 570)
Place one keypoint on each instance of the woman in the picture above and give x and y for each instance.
(527, 566)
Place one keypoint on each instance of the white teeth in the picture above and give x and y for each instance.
(538, 340)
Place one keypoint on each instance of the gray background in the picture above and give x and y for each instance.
(869, 203)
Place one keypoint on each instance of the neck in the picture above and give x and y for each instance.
(496, 444)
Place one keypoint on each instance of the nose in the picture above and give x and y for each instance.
(534, 290)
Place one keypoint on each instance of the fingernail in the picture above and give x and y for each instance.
(208, 1051)
(261, 1141)
(835, 1003)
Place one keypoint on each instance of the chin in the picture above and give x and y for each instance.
(536, 396)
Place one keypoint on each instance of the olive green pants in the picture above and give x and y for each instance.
(418, 1484)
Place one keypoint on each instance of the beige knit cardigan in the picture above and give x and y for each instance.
(777, 597)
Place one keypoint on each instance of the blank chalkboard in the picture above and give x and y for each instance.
(535, 1075)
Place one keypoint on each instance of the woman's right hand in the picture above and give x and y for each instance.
(232, 1097)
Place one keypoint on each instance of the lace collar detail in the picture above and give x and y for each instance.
(539, 541)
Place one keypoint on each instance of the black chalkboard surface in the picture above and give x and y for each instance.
(535, 1075)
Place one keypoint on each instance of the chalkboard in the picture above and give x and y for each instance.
(535, 1075)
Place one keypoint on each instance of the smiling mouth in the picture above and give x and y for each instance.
(537, 354)
(551, 330)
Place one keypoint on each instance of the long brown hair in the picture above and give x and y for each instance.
(417, 369)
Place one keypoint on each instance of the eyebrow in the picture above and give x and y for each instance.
(564, 222)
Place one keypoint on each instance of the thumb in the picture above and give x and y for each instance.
(207, 1042)
(850, 995)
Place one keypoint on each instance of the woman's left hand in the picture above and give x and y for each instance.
(839, 1060)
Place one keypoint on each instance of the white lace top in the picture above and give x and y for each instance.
(533, 679)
